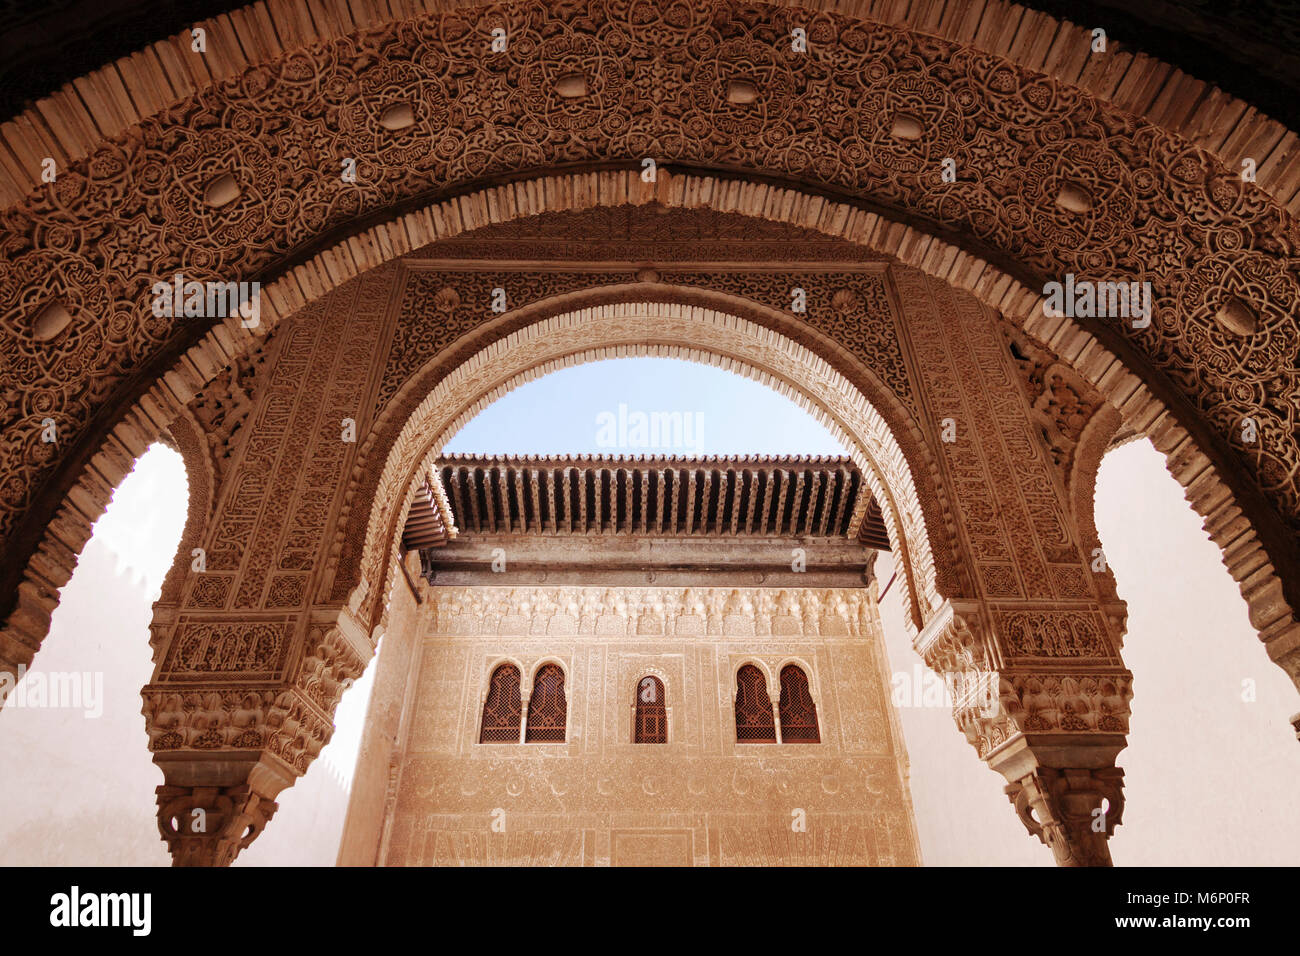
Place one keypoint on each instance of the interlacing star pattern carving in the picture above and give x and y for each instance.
(433, 321)
(656, 82)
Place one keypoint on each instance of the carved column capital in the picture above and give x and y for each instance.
(208, 826)
(1045, 702)
(237, 710)
(955, 638)
(1073, 812)
(997, 707)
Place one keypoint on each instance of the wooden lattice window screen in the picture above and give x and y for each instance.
(502, 709)
(798, 712)
(754, 723)
(651, 712)
(547, 707)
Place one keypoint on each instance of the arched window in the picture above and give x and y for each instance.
(754, 724)
(502, 708)
(547, 707)
(798, 712)
(651, 712)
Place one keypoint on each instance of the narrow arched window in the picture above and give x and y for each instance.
(547, 707)
(651, 712)
(501, 710)
(798, 712)
(754, 723)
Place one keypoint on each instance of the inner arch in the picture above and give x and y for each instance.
(653, 329)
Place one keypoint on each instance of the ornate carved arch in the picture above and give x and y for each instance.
(1230, 242)
(769, 677)
(1093, 445)
(490, 668)
(537, 664)
(549, 704)
(650, 720)
(753, 709)
(814, 683)
(1214, 499)
(500, 706)
(186, 436)
(1035, 40)
(642, 671)
(692, 332)
(800, 722)
(1142, 203)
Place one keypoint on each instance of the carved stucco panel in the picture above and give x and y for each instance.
(1200, 233)
(606, 792)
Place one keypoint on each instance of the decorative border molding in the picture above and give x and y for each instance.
(70, 122)
(487, 611)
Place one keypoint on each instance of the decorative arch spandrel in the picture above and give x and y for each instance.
(1158, 208)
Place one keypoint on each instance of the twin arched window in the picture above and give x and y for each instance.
(502, 708)
(651, 716)
(755, 722)
(547, 707)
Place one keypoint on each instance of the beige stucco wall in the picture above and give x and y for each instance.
(601, 799)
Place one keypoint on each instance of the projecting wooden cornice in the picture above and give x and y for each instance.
(427, 524)
(658, 495)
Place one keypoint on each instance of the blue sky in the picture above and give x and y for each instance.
(559, 413)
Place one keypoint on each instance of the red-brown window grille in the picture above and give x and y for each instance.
(501, 710)
(651, 712)
(547, 707)
(754, 723)
(798, 712)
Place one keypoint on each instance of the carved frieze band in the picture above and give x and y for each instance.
(661, 612)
